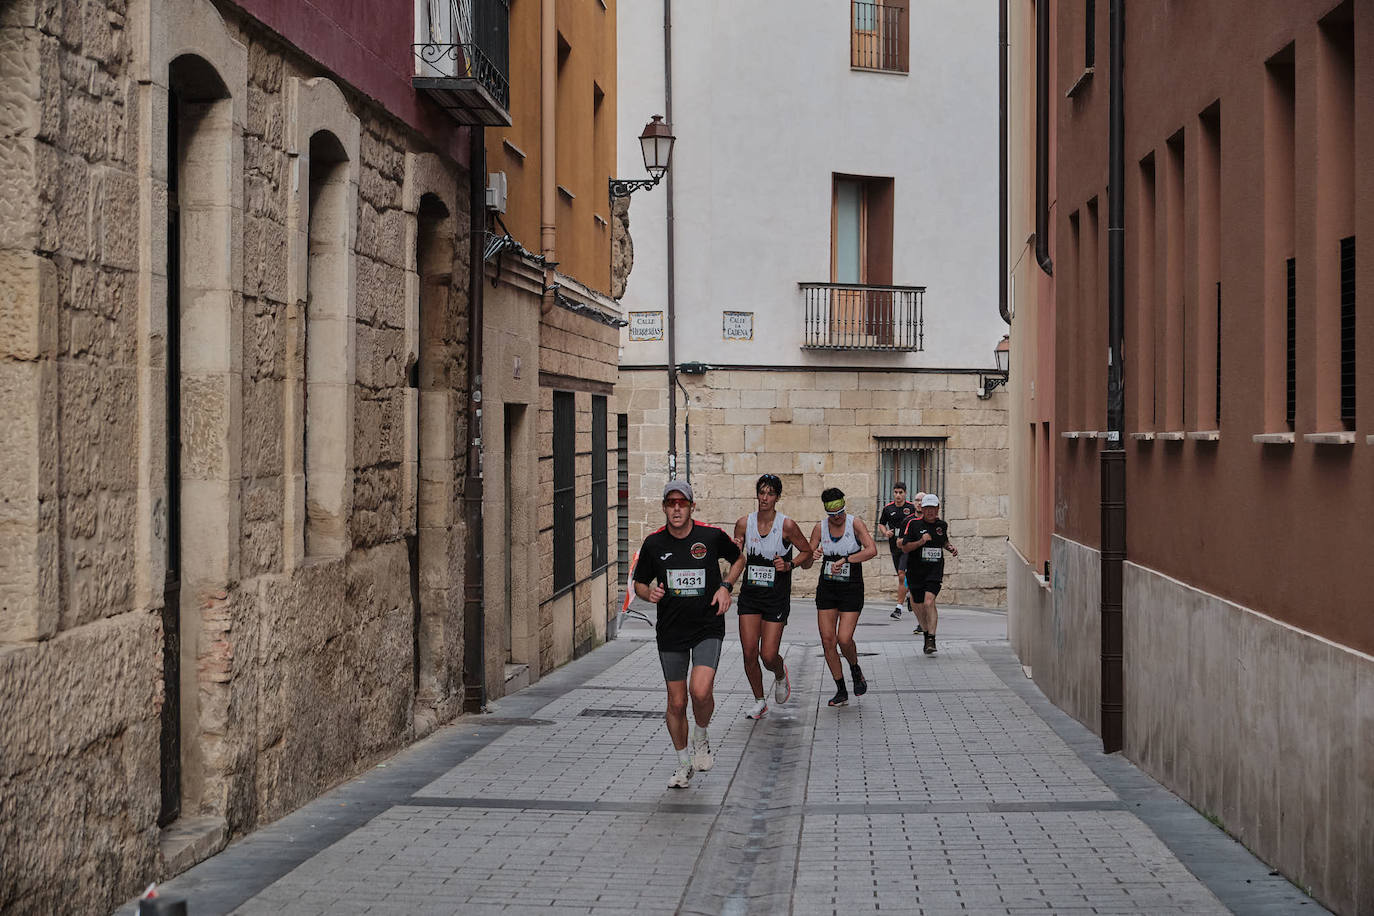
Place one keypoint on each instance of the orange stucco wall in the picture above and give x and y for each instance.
(584, 135)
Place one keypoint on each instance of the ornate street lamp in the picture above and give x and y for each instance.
(1001, 355)
(656, 143)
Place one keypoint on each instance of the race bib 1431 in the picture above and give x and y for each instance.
(686, 583)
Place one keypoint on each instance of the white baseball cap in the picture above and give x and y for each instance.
(930, 499)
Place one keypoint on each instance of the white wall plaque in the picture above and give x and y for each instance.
(737, 325)
(646, 325)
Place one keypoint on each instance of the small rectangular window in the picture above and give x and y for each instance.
(917, 462)
(600, 530)
(564, 489)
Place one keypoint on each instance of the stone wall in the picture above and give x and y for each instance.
(818, 429)
(301, 669)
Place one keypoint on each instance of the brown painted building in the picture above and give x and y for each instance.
(1249, 407)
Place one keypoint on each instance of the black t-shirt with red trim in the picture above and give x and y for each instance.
(928, 560)
(894, 519)
(688, 568)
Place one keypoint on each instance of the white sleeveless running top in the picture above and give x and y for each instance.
(766, 547)
(842, 546)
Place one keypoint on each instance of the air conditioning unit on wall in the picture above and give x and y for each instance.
(496, 191)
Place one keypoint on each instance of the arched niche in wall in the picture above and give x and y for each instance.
(192, 93)
(323, 141)
(434, 408)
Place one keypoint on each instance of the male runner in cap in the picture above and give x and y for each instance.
(679, 570)
(765, 598)
(925, 540)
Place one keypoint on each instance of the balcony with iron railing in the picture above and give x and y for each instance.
(462, 58)
(878, 37)
(852, 316)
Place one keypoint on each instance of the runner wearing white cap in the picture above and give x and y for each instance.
(925, 540)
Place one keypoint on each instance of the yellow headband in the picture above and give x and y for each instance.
(834, 505)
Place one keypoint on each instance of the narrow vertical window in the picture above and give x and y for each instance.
(1334, 355)
(1206, 354)
(1089, 33)
(1176, 309)
(1094, 312)
(1291, 347)
(600, 529)
(564, 490)
(1280, 266)
(1348, 332)
(1073, 328)
(1144, 337)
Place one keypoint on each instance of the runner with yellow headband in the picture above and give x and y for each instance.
(844, 543)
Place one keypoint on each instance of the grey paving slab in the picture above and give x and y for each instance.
(952, 787)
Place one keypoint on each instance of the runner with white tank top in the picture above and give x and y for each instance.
(843, 543)
(765, 596)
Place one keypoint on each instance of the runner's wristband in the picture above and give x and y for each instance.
(727, 585)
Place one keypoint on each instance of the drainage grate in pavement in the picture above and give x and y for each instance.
(622, 713)
(822, 654)
(504, 721)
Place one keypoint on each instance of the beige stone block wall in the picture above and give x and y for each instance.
(295, 674)
(820, 428)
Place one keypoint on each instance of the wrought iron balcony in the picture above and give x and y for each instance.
(462, 59)
(851, 316)
(878, 38)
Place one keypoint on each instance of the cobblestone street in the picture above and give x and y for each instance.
(953, 786)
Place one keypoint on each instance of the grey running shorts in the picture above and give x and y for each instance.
(676, 664)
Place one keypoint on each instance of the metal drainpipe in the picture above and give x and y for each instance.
(1003, 306)
(474, 618)
(1113, 458)
(673, 382)
(1042, 136)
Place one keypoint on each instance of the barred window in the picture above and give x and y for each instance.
(564, 490)
(917, 462)
(600, 530)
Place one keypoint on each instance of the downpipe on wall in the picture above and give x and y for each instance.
(1113, 457)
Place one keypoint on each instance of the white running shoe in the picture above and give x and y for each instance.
(681, 776)
(759, 710)
(702, 758)
(782, 686)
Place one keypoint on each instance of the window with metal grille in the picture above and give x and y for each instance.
(1218, 354)
(564, 489)
(1291, 372)
(917, 462)
(1089, 33)
(1348, 332)
(600, 530)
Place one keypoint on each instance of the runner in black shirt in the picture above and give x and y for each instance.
(679, 570)
(925, 540)
(891, 520)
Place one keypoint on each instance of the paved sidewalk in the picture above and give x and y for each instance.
(953, 786)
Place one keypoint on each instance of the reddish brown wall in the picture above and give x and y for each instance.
(369, 45)
(1277, 528)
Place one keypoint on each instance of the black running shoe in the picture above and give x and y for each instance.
(930, 644)
(860, 682)
(840, 699)
(918, 631)
(896, 613)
